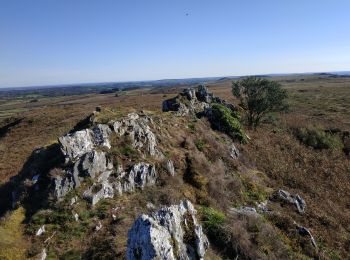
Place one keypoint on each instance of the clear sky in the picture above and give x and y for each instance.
(74, 41)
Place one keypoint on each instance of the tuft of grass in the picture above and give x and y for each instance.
(12, 244)
(213, 221)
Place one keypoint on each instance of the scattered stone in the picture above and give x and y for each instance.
(293, 199)
(40, 231)
(170, 167)
(262, 206)
(42, 255)
(99, 226)
(234, 152)
(303, 231)
(76, 217)
(162, 235)
(244, 210)
(150, 205)
(73, 200)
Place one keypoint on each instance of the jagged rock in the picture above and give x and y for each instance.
(40, 231)
(62, 185)
(92, 164)
(139, 176)
(169, 166)
(190, 93)
(170, 233)
(101, 134)
(74, 145)
(204, 95)
(98, 191)
(137, 128)
(293, 199)
(234, 152)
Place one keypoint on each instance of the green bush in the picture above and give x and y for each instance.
(318, 138)
(200, 144)
(226, 120)
(213, 223)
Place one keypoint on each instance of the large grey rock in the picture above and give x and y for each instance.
(170, 233)
(140, 175)
(74, 145)
(293, 199)
(93, 164)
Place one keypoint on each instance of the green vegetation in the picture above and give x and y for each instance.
(12, 243)
(258, 97)
(213, 221)
(228, 121)
(318, 138)
(200, 144)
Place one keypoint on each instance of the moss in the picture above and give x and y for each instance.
(227, 121)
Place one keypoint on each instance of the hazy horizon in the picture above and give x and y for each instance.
(54, 43)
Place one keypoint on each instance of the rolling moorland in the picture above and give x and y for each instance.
(304, 151)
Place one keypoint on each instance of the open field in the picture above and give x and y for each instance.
(321, 177)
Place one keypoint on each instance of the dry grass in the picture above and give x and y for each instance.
(12, 242)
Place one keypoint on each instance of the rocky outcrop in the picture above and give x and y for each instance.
(86, 153)
(170, 233)
(292, 199)
(193, 101)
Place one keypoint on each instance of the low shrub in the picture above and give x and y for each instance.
(213, 221)
(318, 138)
(200, 144)
(224, 119)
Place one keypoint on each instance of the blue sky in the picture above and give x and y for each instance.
(72, 41)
